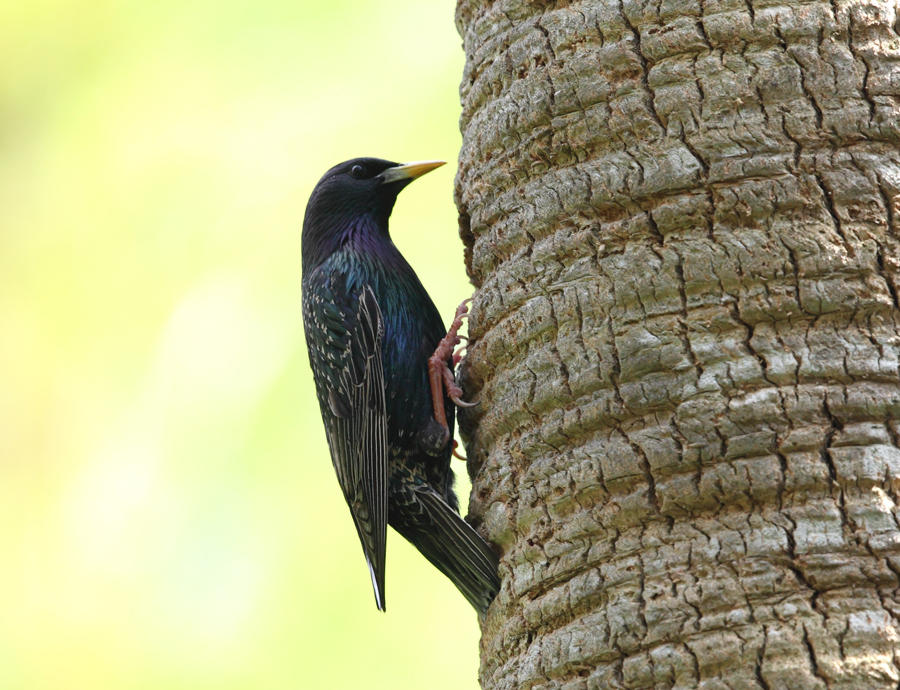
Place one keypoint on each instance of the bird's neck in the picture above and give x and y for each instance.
(362, 236)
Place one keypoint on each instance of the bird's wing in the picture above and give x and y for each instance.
(352, 388)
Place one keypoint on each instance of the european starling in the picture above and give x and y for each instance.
(371, 329)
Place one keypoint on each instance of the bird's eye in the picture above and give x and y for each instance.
(358, 172)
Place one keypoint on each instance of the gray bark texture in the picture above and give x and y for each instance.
(682, 218)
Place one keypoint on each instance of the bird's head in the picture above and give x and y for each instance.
(354, 197)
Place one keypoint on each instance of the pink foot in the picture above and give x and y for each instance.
(440, 376)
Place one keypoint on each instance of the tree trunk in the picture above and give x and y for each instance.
(683, 221)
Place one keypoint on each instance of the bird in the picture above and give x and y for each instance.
(382, 364)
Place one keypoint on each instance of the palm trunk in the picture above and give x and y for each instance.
(682, 220)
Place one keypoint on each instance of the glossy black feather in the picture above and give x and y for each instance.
(350, 383)
(370, 328)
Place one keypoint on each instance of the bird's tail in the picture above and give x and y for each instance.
(453, 547)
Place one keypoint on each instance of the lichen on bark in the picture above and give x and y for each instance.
(683, 222)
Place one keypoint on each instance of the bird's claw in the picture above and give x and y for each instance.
(458, 353)
(440, 375)
(454, 392)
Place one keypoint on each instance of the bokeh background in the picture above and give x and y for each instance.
(169, 516)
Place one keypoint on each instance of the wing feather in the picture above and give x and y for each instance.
(350, 379)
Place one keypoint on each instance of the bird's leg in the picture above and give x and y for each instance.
(440, 376)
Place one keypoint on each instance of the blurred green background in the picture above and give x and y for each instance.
(169, 517)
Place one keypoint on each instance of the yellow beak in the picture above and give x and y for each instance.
(409, 171)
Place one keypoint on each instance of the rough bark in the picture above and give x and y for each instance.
(683, 221)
